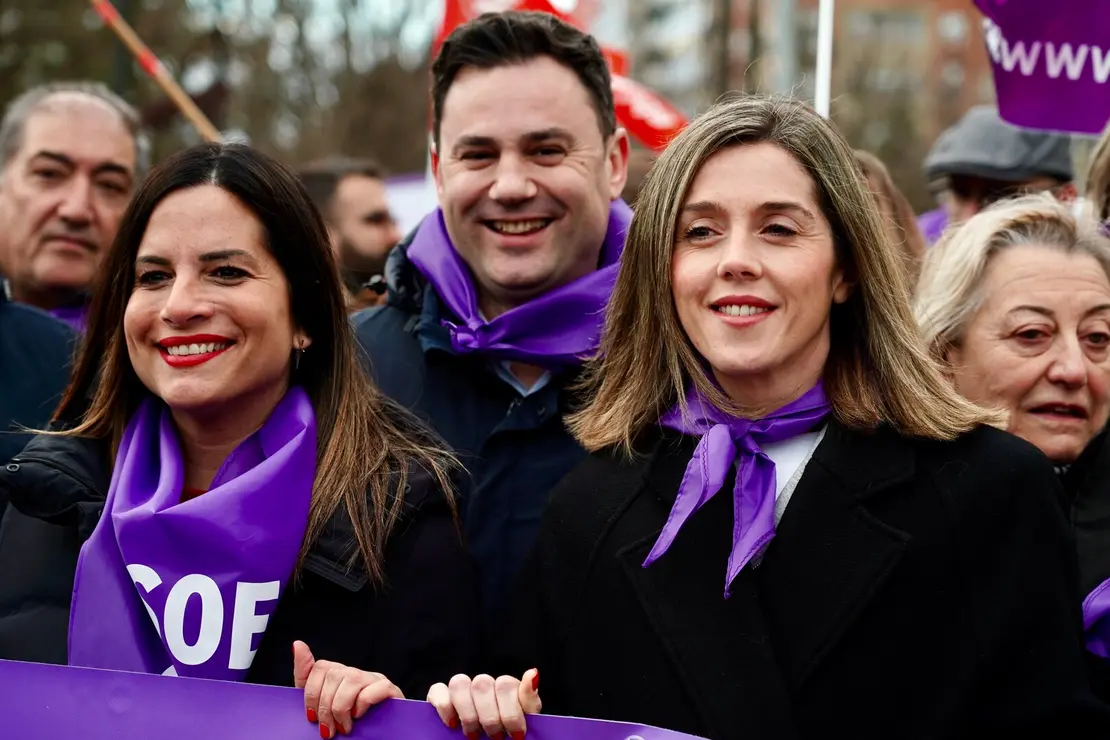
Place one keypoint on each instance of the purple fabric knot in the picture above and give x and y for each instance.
(1096, 620)
(727, 441)
(555, 330)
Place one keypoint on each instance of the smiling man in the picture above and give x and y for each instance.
(498, 296)
(70, 155)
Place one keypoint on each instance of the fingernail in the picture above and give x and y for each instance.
(325, 732)
(499, 736)
(311, 716)
(453, 723)
(472, 735)
(518, 735)
(536, 680)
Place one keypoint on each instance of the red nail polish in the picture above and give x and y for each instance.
(453, 723)
(499, 736)
(536, 681)
(472, 735)
(311, 716)
(325, 732)
(518, 735)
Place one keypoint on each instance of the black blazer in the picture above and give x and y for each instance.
(418, 629)
(1087, 486)
(914, 589)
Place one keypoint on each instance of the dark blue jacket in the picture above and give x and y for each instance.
(35, 353)
(516, 448)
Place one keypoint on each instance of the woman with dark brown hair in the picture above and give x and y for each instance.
(222, 479)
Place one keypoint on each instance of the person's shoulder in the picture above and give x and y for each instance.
(995, 478)
(989, 453)
(602, 483)
(29, 325)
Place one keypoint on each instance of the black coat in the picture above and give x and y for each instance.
(35, 352)
(516, 448)
(1087, 485)
(914, 590)
(420, 629)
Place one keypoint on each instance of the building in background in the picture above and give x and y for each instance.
(668, 50)
(903, 70)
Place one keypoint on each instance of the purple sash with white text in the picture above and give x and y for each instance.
(187, 587)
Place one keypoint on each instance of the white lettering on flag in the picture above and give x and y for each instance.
(1058, 58)
(1016, 55)
(1101, 62)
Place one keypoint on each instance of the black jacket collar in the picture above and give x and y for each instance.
(64, 480)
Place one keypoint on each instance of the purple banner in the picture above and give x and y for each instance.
(49, 702)
(1051, 61)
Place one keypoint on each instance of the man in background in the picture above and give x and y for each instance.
(982, 159)
(351, 196)
(71, 155)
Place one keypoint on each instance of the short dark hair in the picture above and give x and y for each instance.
(513, 37)
(321, 178)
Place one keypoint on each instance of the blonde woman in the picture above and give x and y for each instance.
(790, 525)
(1097, 191)
(1016, 303)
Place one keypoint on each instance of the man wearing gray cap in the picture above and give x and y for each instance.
(983, 159)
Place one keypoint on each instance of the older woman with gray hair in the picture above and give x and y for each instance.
(1016, 304)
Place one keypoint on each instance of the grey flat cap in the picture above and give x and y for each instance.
(983, 145)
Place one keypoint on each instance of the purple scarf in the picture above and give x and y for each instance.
(727, 441)
(556, 330)
(1096, 620)
(186, 587)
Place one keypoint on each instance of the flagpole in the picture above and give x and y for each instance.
(157, 71)
(825, 28)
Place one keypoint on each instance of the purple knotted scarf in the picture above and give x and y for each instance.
(1096, 620)
(556, 330)
(727, 441)
(187, 587)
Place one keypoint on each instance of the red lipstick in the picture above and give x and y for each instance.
(197, 349)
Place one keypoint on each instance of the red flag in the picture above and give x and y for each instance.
(647, 117)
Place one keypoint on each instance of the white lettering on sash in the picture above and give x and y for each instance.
(211, 619)
(246, 622)
(149, 580)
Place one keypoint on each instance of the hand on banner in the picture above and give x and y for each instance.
(496, 706)
(336, 695)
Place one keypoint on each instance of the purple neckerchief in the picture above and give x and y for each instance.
(932, 225)
(556, 330)
(74, 316)
(725, 441)
(186, 587)
(1096, 620)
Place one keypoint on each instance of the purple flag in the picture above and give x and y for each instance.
(556, 330)
(1051, 62)
(187, 587)
(48, 702)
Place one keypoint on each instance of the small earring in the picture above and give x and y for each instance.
(297, 359)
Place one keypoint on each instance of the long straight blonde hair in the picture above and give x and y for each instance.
(878, 370)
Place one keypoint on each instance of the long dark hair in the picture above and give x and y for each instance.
(365, 443)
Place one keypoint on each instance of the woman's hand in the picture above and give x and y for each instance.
(496, 706)
(336, 695)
